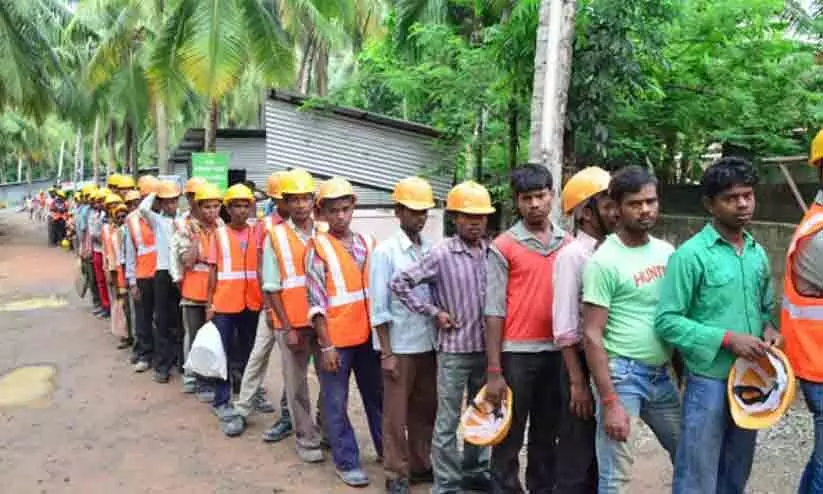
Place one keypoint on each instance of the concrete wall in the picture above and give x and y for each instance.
(774, 237)
(382, 224)
(12, 194)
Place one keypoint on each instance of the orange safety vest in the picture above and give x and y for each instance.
(290, 253)
(108, 252)
(801, 317)
(195, 285)
(237, 285)
(529, 273)
(347, 288)
(116, 256)
(144, 243)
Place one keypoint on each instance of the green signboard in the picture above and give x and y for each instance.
(214, 167)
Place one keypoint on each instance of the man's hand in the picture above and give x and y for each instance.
(495, 388)
(270, 321)
(134, 291)
(330, 360)
(617, 422)
(772, 337)
(747, 346)
(209, 312)
(581, 402)
(444, 322)
(293, 338)
(389, 365)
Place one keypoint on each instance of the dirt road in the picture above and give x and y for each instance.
(107, 429)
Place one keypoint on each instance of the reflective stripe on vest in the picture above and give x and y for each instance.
(225, 249)
(137, 232)
(290, 278)
(341, 294)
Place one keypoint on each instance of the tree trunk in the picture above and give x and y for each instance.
(20, 168)
(514, 133)
(78, 155)
(113, 146)
(95, 149)
(28, 171)
(210, 140)
(322, 70)
(305, 64)
(128, 143)
(60, 160)
(555, 35)
(162, 134)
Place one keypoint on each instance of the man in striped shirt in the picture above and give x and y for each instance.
(455, 270)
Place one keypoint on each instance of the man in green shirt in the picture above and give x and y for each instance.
(628, 361)
(715, 306)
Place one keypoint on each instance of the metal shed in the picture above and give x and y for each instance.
(246, 148)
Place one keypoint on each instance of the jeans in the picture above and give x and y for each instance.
(168, 336)
(534, 379)
(457, 373)
(144, 321)
(644, 391)
(812, 480)
(237, 332)
(576, 468)
(713, 455)
(365, 363)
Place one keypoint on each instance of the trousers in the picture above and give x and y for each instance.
(144, 321)
(168, 337)
(237, 332)
(100, 280)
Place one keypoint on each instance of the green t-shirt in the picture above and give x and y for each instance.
(626, 281)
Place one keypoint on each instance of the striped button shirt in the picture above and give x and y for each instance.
(456, 275)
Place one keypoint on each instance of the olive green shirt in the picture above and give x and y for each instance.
(709, 288)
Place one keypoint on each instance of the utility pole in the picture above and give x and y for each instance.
(552, 72)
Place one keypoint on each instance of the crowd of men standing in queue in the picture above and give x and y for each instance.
(580, 325)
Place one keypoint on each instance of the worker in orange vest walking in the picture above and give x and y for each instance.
(337, 282)
(189, 269)
(141, 265)
(234, 295)
(801, 317)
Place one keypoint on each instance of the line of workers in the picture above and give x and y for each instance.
(580, 327)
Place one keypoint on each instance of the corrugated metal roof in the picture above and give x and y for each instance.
(370, 152)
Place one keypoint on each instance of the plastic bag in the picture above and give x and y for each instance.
(207, 357)
(119, 326)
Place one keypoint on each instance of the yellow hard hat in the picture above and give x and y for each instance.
(238, 192)
(147, 184)
(131, 195)
(88, 188)
(274, 183)
(60, 194)
(484, 425)
(414, 193)
(111, 200)
(334, 188)
(168, 190)
(760, 391)
(114, 180)
(469, 197)
(101, 194)
(193, 184)
(207, 192)
(297, 181)
(126, 182)
(583, 185)
(816, 153)
(119, 207)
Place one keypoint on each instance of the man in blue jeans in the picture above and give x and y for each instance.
(628, 361)
(715, 306)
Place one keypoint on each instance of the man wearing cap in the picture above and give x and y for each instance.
(585, 198)
(519, 339)
(234, 295)
(801, 316)
(167, 336)
(715, 305)
(406, 342)
(455, 271)
(629, 362)
(337, 282)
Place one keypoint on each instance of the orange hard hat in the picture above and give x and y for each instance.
(168, 190)
(469, 197)
(414, 193)
(147, 184)
(193, 184)
(131, 195)
(583, 185)
(760, 391)
(484, 425)
(274, 183)
(334, 188)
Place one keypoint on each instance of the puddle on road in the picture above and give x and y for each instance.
(33, 304)
(29, 386)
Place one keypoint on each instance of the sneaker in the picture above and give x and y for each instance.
(189, 384)
(160, 377)
(424, 477)
(233, 424)
(260, 402)
(222, 411)
(279, 431)
(205, 394)
(141, 366)
(124, 343)
(397, 486)
(310, 455)
(354, 478)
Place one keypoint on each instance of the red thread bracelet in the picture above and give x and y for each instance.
(496, 370)
(609, 400)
